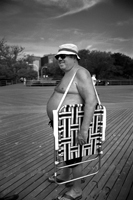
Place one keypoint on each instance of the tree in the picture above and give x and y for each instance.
(99, 63)
(13, 62)
(28, 73)
(84, 59)
(54, 70)
(104, 64)
(124, 65)
(9, 58)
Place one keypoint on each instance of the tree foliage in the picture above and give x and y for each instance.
(99, 63)
(54, 70)
(106, 65)
(13, 64)
(124, 65)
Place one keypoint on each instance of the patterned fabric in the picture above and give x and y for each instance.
(70, 120)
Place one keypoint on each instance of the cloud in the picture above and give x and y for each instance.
(106, 42)
(49, 8)
(119, 39)
(126, 22)
(89, 47)
(69, 7)
(79, 6)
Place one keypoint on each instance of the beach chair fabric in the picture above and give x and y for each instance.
(69, 122)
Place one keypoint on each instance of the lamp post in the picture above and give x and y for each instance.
(45, 67)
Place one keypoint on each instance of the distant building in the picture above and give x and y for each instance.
(40, 64)
(47, 59)
(51, 58)
(36, 62)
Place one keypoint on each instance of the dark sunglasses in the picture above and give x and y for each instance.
(62, 56)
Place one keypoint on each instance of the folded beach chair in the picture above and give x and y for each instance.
(67, 122)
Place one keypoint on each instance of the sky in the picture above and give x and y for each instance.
(41, 26)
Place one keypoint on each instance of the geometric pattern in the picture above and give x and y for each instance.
(69, 122)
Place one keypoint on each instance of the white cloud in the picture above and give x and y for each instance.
(118, 39)
(126, 22)
(48, 2)
(89, 47)
(85, 5)
(70, 7)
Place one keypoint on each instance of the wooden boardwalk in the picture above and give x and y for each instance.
(26, 145)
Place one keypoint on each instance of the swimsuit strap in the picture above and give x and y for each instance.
(64, 95)
(98, 99)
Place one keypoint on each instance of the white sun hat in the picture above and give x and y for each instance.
(68, 49)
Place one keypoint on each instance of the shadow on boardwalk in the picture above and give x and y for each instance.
(26, 145)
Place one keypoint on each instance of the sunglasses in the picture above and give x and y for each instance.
(62, 56)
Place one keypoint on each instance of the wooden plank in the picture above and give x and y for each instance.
(27, 166)
(125, 180)
(130, 196)
(105, 163)
(115, 181)
(110, 161)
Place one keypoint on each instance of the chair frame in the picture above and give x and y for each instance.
(98, 152)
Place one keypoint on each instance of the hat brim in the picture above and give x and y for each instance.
(67, 53)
